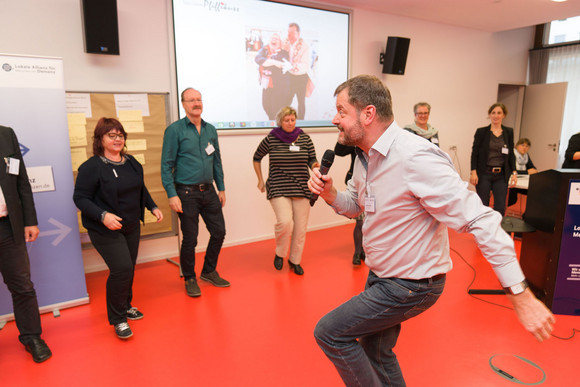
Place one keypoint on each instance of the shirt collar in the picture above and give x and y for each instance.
(188, 122)
(384, 142)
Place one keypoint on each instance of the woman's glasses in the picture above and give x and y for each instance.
(114, 136)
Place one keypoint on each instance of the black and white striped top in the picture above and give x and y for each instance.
(288, 171)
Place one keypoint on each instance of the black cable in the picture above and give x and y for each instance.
(574, 330)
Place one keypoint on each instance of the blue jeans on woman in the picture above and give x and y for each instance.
(359, 336)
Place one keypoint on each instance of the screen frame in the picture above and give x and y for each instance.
(177, 110)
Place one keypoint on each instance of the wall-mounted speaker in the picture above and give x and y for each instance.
(395, 57)
(100, 26)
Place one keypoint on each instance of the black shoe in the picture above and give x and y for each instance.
(278, 262)
(38, 348)
(296, 267)
(192, 288)
(123, 331)
(356, 259)
(134, 314)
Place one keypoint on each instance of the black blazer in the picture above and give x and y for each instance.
(96, 191)
(480, 151)
(16, 188)
(573, 147)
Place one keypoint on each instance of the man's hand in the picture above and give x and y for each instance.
(533, 314)
(322, 186)
(31, 233)
(175, 204)
(222, 197)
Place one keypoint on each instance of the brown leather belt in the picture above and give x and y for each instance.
(426, 280)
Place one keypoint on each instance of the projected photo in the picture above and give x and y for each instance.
(250, 58)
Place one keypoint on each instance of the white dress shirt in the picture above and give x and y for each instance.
(418, 194)
(3, 208)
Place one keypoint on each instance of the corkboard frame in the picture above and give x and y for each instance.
(103, 105)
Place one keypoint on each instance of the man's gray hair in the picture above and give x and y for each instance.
(365, 90)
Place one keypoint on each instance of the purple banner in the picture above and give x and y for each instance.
(567, 290)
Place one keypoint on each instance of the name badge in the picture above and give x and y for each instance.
(209, 149)
(504, 150)
(294, 148)
(370, 204)
(13, 166)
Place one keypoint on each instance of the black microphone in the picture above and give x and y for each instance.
(325, 164)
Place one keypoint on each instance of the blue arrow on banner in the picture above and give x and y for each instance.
(24, 150)
(62, 231)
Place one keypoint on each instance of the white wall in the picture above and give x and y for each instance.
(457, 70)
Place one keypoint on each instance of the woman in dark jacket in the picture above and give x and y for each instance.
(572, 156)
(111, 194)
(492, 159)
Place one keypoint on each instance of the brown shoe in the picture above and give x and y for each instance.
(192, 288)
(214, 279)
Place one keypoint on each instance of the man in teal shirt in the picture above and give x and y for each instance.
(190, 162)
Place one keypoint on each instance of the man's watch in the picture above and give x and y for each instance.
(517, 288)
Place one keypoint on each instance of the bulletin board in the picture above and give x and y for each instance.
(144, 117)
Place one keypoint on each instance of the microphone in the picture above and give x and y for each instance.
(325, 164)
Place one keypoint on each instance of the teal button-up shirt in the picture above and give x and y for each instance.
(185, 158)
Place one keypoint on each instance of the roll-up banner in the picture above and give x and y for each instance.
(32, 102)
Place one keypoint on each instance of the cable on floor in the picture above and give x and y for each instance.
(574, 330)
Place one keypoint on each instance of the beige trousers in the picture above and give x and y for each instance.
(290, 229)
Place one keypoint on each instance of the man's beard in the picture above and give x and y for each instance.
(354, 137)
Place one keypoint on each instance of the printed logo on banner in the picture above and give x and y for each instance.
(574, 194)
(29, 72)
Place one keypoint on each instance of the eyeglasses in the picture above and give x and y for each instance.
(192, 100)
(114, 136)
(422, 114)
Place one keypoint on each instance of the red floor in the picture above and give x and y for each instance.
(258, 332)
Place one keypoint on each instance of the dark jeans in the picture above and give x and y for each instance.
(496, 183)
(119, 251)
(359, 336)
(207, 204)
(15, 269)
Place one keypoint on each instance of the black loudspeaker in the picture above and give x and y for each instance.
(395, 57)
(101, 27)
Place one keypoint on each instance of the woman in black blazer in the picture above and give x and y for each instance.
(111, 194)
(492, 159)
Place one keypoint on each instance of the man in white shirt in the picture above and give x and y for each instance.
(410, 193)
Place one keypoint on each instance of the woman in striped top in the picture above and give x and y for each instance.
(291, 154)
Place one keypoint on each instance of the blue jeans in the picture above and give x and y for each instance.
(496, 183)
(374, 317)
(207, 204)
